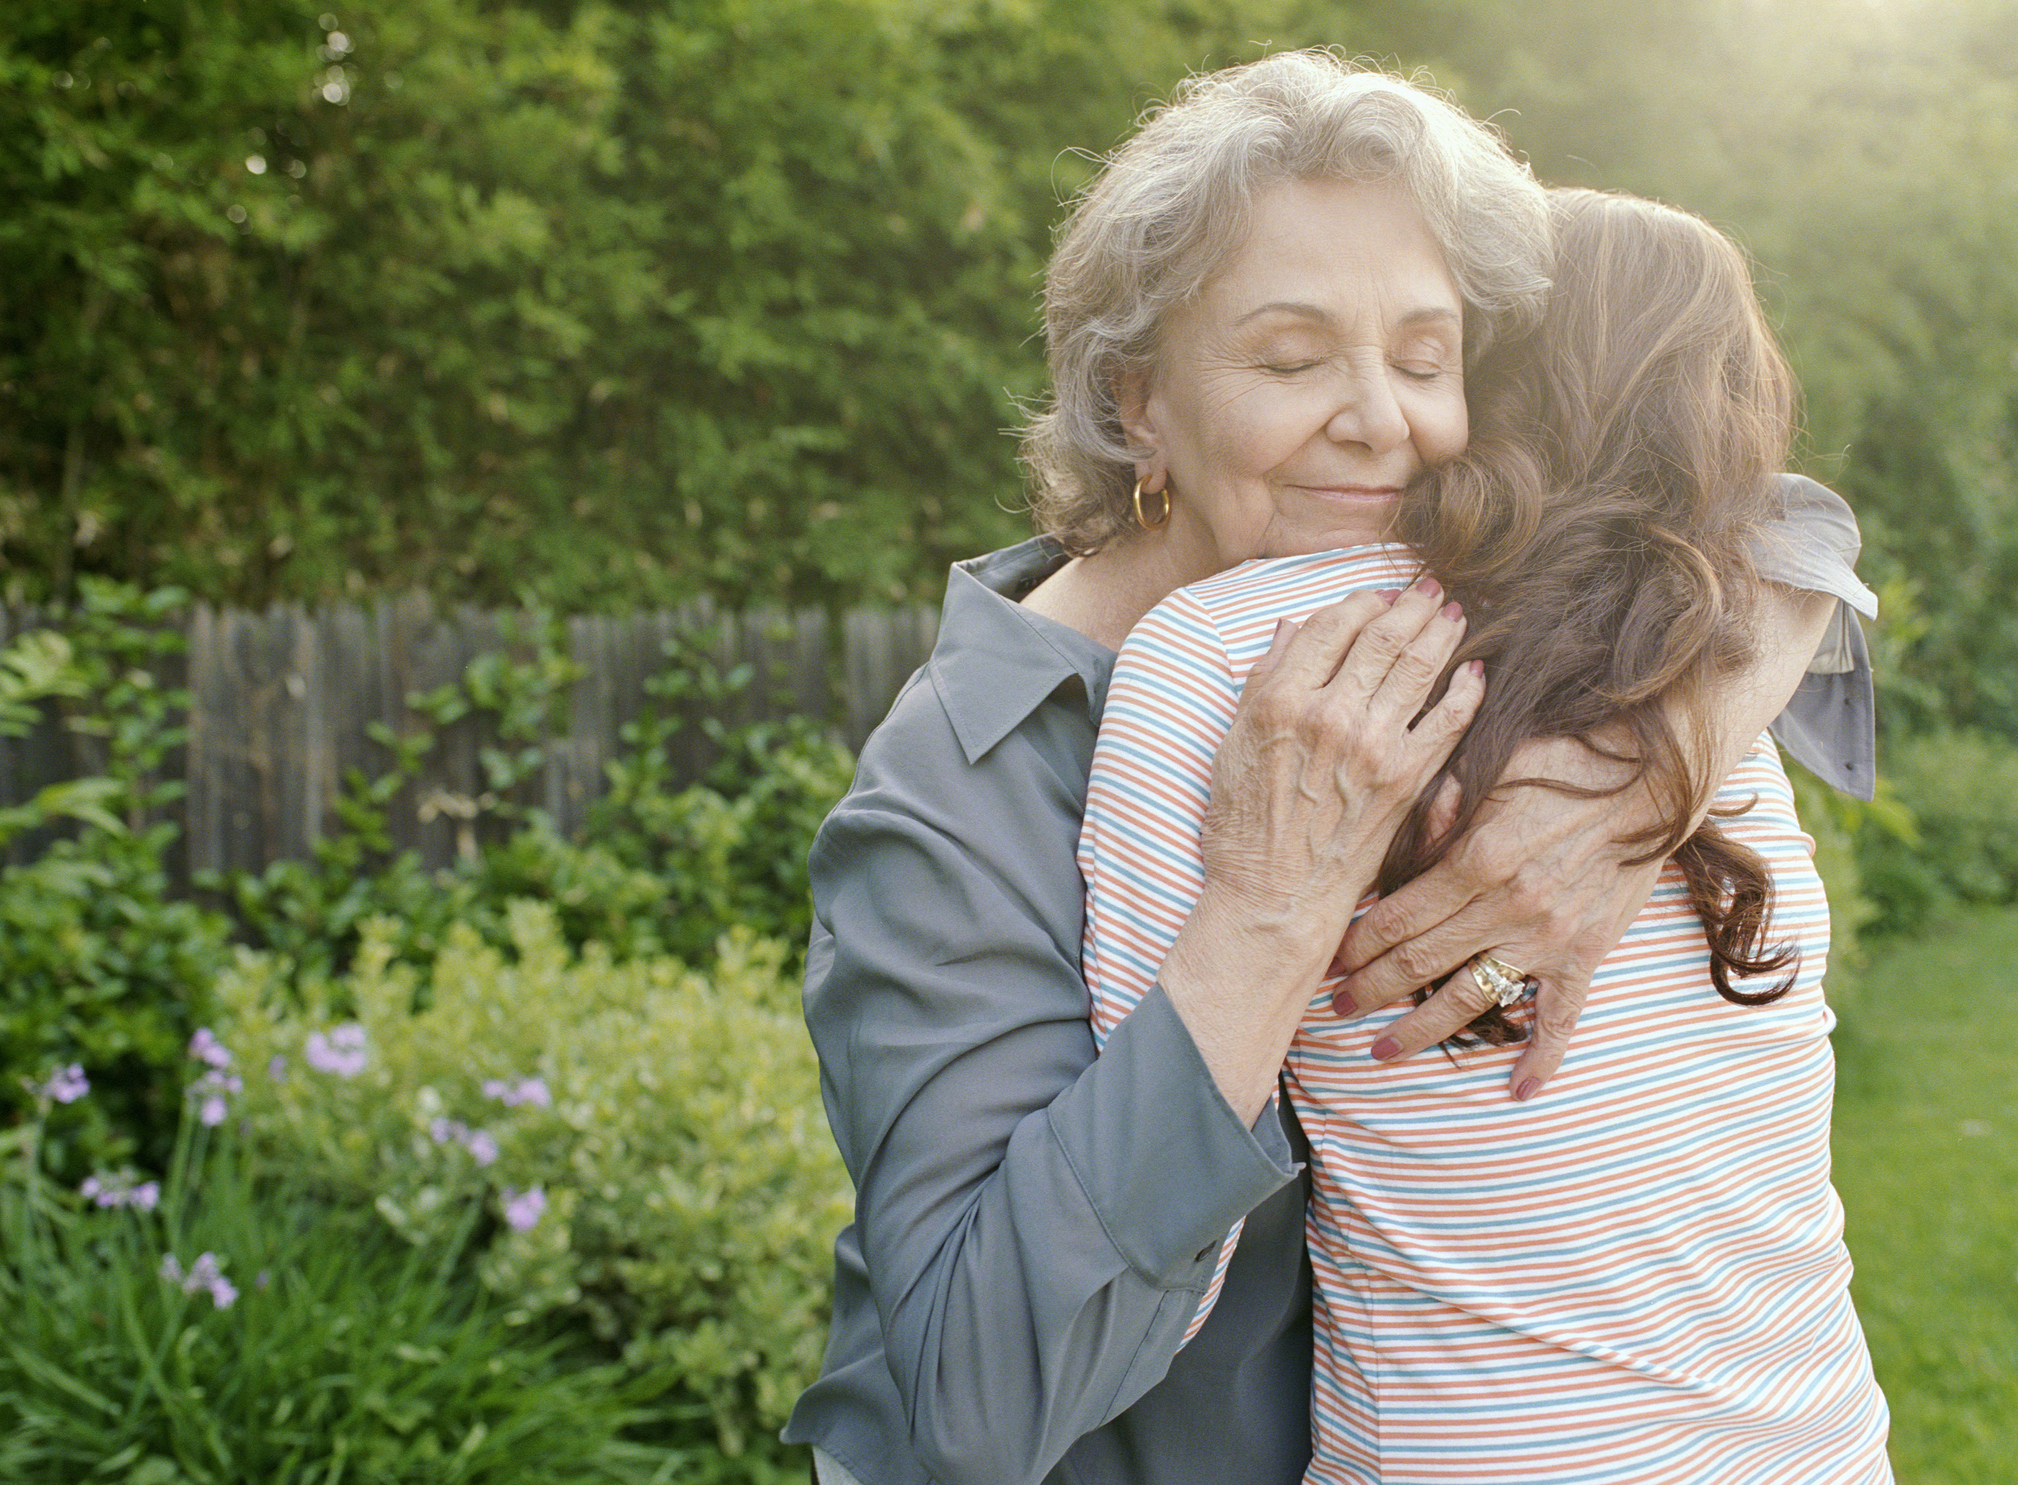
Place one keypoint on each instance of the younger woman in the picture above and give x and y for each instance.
(1640, 1276)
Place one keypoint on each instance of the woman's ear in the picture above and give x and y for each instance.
(1131, 402)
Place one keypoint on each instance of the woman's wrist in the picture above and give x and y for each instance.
(1240, 979)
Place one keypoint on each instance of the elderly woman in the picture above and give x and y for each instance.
(1034, 1228)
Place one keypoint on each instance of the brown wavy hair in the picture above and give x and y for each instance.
(1598, 530)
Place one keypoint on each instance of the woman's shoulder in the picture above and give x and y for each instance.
(981, 762)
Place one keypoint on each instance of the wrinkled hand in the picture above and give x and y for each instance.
(1321, 764)
(1539, 881)
(1316, 773)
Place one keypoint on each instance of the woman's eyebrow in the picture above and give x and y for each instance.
(1318, 313)
(1431, 313)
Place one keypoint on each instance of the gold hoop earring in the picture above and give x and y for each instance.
(1142, 520)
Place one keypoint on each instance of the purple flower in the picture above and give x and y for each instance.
(477, 1141)
(119, 1189)
(522, 1209)
(203, 1274)
(511, 1095)
(205, 1047)
(65, 1085)
(343, 1051)
(261, 1279)
(211, 1088)
(276, 1069)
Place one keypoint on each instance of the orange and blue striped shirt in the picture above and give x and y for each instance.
(1639, 1277)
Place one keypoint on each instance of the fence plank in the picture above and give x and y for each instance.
(884, 646)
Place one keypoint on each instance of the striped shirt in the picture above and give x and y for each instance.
(1639, 1277)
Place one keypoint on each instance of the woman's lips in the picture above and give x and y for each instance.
(1352, 494)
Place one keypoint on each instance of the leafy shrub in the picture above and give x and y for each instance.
(244, 1330)
(730, 850)
(1962, 790)
(97, 964)
(657, 869)
(1832, 819)
(647, 1136)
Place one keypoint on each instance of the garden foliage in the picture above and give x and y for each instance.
(633, 301)
(630, 301)
(1961, 789)
(103, 964)
(646, 1138)
(99, 963)
(657, 867)
(569, 1072)
(230, 1329)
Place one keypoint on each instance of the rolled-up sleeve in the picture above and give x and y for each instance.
(1036, 1224)
(1830, 724)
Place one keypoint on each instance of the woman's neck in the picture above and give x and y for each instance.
(1105, 595)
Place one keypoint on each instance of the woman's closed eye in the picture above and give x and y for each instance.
(1424, 358)
(1290, 366)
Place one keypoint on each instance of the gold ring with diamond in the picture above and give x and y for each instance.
(1503, 984)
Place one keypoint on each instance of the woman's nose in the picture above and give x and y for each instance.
(1368, 413)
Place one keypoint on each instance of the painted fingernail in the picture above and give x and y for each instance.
(1477, 667)
(1383, 1049)
(1453, 610)
(1528, 1088)
(1429, 587)
(1387, 595)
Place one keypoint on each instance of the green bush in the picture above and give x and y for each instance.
(627, 302)
(1962, 790)
(235, 1330)
(1832, 819)
(656, 869)
(648, 1137)
(98, 966)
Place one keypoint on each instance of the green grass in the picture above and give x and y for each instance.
(1926, 1159)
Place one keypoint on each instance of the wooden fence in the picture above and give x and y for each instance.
(281, 704)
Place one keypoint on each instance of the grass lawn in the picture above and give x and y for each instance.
(1926, 1159)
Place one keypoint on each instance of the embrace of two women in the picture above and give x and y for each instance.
(1205, 1028)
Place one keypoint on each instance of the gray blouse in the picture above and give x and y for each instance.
(1034, 1225)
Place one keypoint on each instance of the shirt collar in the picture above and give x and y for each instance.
(996, 661)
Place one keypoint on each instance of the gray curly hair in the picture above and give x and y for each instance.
(1174, 201)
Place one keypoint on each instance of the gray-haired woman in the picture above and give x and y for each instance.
(1034, 1227)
